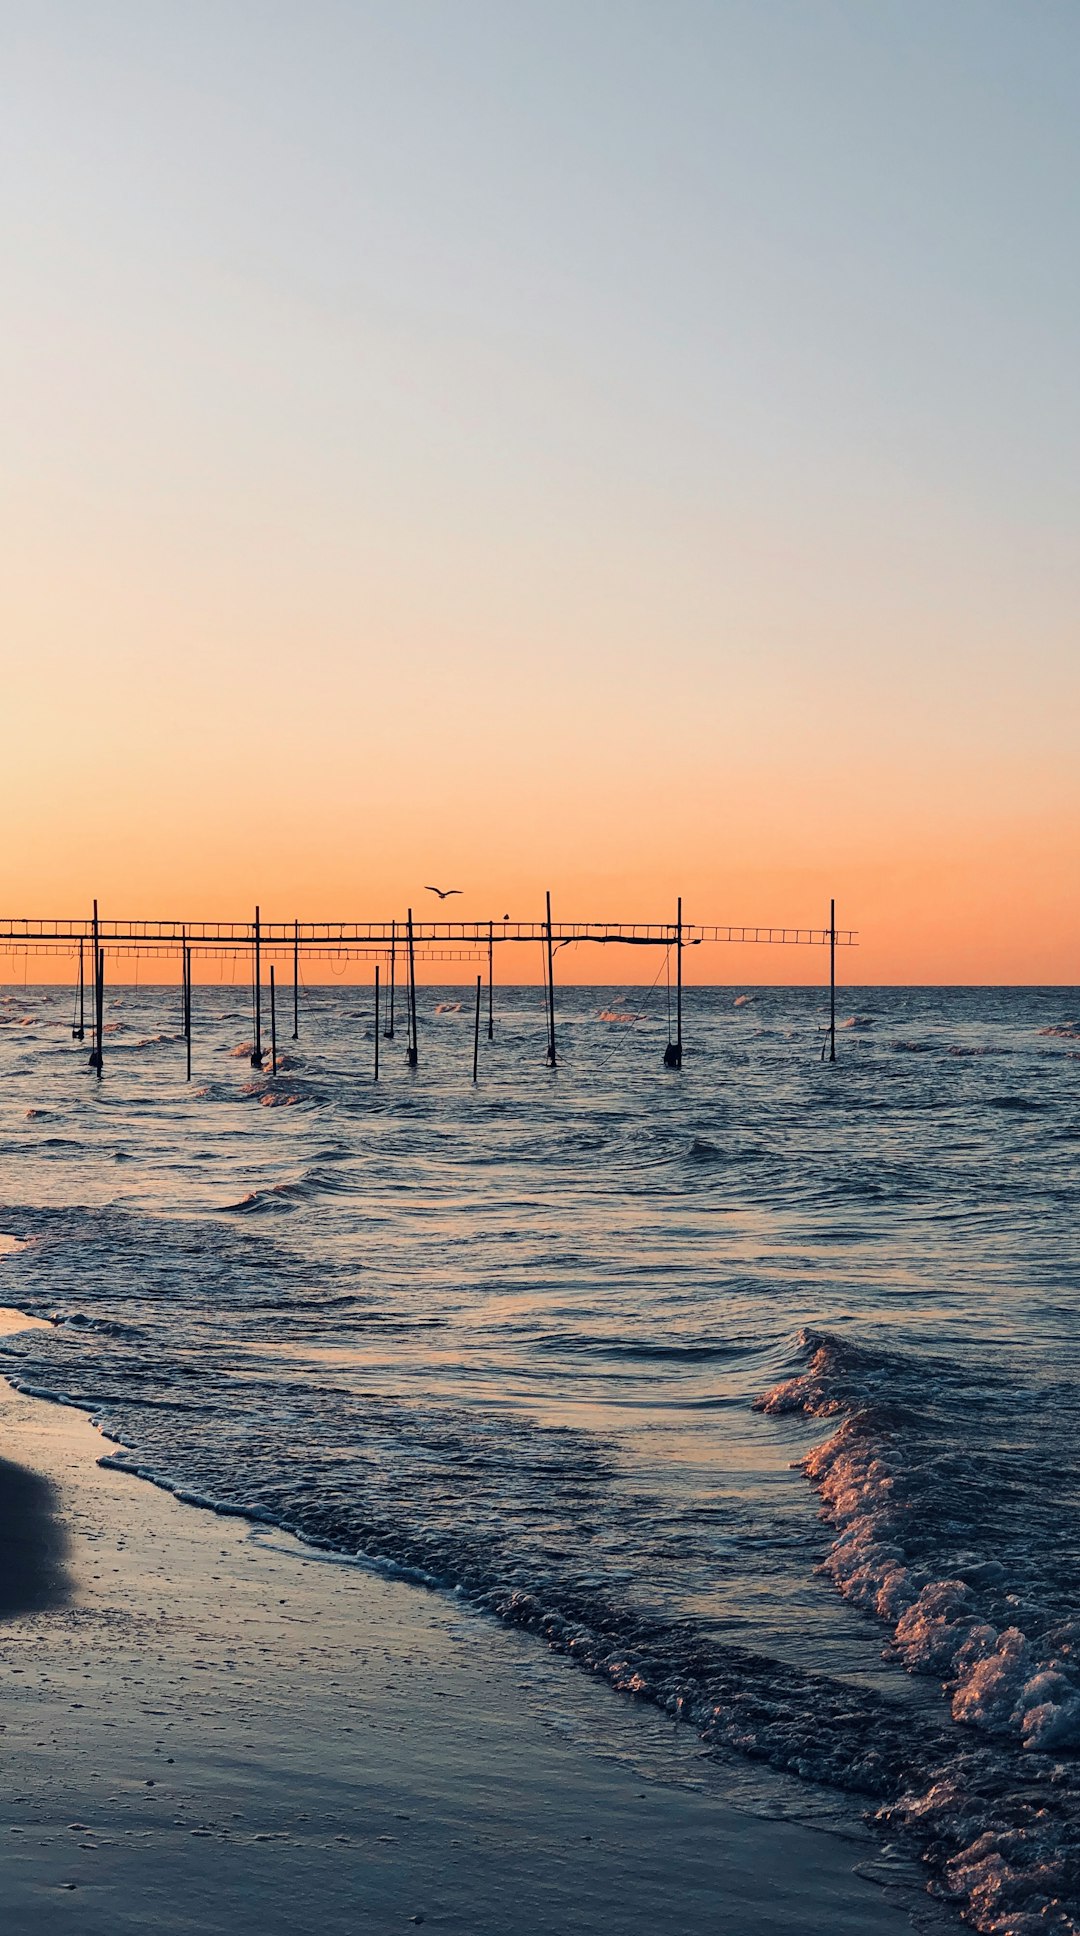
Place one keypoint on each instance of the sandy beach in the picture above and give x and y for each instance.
(207, 1728)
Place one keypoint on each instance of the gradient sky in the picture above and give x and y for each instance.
(626, 448)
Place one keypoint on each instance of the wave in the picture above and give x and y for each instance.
(875, 1488)
(1010, 1666)
(510, 1480)
(269, 1199)
(1000, 1835)
(652, 1350)
(108, 1327)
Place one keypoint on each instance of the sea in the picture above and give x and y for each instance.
(750, 1388)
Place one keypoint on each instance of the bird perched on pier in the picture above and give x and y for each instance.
(443, 892)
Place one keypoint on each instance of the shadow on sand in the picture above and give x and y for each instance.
(33, 1544)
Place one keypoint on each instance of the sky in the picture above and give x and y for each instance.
(627, 449)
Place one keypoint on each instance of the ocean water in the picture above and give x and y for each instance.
(752, 1388)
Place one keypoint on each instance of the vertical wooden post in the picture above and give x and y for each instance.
(678, 980)
(393, 982)
(476, 1030)
(413, 1050)
(273, 1022)
(673, 1052)
(552, 1059)
(296, 981)
(491, 981)
(100, 1005)
(256, 1047)
(187, 1006)
(376, 1021)
(95, 1052)
(78, 1033)
(832, 981)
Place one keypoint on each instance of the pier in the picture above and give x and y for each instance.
(267, 947)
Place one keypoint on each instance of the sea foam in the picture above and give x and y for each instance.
(1013, 1680)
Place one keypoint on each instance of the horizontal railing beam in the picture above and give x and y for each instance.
(325, 936)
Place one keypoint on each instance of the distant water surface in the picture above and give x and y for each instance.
(556, 1341)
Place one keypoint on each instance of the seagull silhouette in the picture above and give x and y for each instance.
(443, 892)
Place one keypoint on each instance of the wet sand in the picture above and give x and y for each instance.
(208, 1728)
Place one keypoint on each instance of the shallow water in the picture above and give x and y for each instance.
(509, 1338)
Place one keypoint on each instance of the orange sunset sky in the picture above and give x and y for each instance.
(627, 450)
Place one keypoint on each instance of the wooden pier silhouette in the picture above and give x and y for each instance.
(266, 945)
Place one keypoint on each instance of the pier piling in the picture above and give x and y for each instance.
(393, 982)
(476, 1030)
(832, 981)
(187, 1007)
(256, 1047)
(376, 1021)
(296, 982)
(412, 1054)
(491, 981)
(99, 1005)
(78, 1027)
(673, 1052)
(552, 1058)
(95, 1052)
(273, 1021)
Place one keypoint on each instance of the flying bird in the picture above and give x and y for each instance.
(443, 892)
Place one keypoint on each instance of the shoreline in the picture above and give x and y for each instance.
(210, 1727)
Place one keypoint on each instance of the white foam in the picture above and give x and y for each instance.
(1007, 1868)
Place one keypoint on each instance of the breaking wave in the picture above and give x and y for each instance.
(924, 1536)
